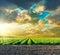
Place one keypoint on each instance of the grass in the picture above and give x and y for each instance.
(29, 41)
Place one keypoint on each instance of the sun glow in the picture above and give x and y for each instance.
(12, 29)
(15, 29)
(4, 29)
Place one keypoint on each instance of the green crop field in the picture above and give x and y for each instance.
(52, 37)
(29, 41)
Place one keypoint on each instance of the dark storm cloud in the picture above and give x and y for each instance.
(49, 4)
(4, 3)
(52, 4)
(24, 3)
(56, 16)
(4, 16)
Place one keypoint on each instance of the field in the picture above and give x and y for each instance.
(29, 41)
(51, 36)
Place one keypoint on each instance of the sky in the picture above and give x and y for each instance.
(53, 5)
(49, 4)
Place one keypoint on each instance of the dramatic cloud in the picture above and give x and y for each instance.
(24, 3)
(55, 17)
(52, 4)
(26, 28)
(43, 4)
